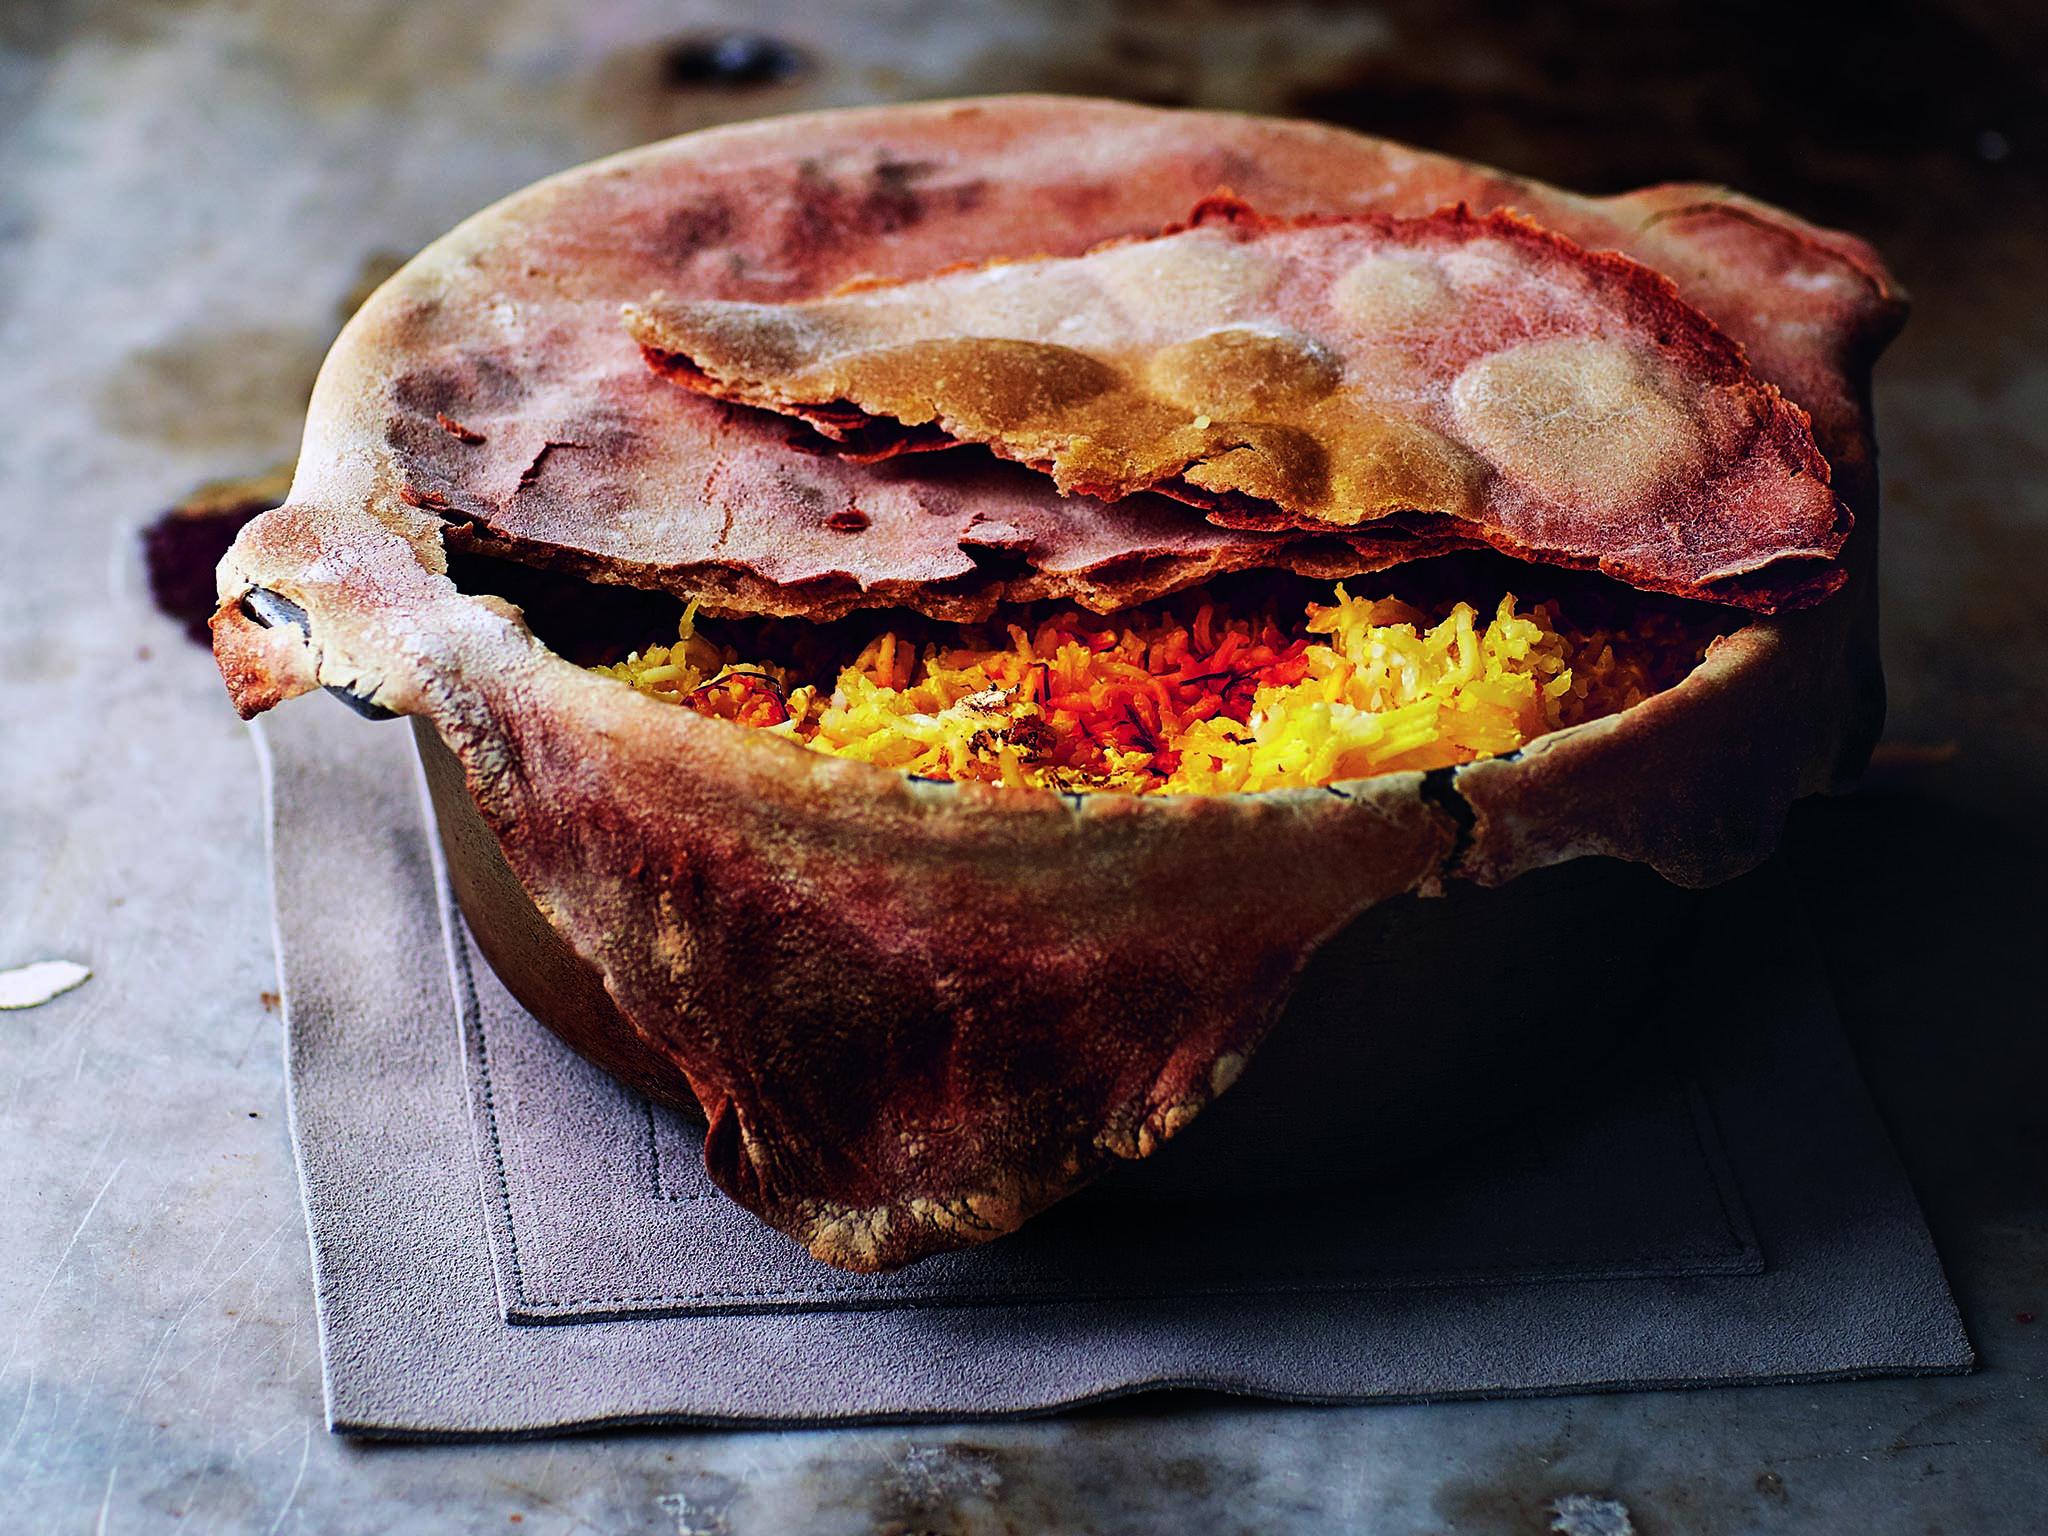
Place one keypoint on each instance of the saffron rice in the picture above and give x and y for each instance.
(1182, 698)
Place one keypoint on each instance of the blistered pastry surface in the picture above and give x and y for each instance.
(1476, 377)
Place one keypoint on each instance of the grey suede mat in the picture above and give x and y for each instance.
(1740, 1219)
(600, 1206)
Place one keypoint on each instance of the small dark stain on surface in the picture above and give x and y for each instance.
(269, 1000)
(730, 61)
(650, 89)
(1188, 1474)
(1494, 1509)
(209, 1493)
(1771, 1486)
(459, 384)
(838, 204)
(847, 520)
(2023, 1317)
(182, 546)
(696, 225)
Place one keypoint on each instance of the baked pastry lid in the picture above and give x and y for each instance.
(1468, 379)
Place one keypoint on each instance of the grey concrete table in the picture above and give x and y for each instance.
(187, 192)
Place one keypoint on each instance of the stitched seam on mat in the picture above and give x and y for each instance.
(1247, 1285)
(1266, 1283)
(1282, 1280)
(1696, 1106)
(483, 1050)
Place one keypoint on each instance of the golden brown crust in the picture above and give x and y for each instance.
(261, 666)
(1471, 377)
(909, 1007)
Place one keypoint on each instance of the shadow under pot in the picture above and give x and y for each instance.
(1427, 1022)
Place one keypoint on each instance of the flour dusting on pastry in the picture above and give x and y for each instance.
(1480, 379)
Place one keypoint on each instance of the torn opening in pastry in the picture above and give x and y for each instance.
(1244, 684)
(1474, 379)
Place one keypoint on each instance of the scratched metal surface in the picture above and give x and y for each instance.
(187, 194)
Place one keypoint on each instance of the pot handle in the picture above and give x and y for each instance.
(272, 611)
